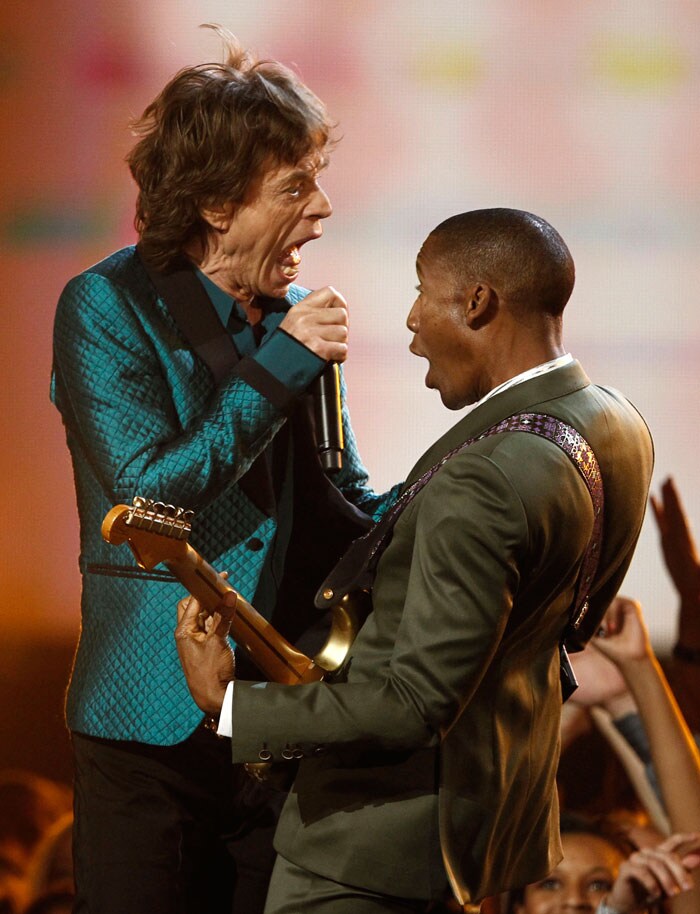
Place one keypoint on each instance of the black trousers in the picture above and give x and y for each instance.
(170, 829)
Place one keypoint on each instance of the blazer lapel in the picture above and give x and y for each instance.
(518, 399)
(195, 316)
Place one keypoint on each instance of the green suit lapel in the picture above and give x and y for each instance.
(516, 399)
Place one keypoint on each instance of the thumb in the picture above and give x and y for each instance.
(690, 861)
(221, 626)
(188, 612)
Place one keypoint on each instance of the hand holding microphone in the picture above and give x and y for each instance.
(320, 322)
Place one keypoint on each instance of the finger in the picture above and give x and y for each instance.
(613, 618)
(189, 611)
(331, 352)
(226, 607)
(673, 506)
(182, 607)
(658, 512)
(330, 315)
(326, 297)
(670, 492)
(661, 871)
(681, 842)
(334, 333)
(220, 626)
(691, 861)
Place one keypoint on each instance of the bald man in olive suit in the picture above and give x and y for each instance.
(431, 766)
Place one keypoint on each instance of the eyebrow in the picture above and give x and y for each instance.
(314, 169)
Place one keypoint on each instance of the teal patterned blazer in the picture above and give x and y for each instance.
(143, 416)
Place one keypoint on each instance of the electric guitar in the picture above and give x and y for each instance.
(158, 533)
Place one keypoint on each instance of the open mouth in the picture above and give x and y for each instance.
(289, 262)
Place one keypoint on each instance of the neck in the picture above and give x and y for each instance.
(520, 355)
(525, 362)
(212, 262)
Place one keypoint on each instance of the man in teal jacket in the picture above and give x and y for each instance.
(432, 765)
(213, 418)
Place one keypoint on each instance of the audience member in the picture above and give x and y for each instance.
(50, 871)
(600, 872)
(683, 564)
(29, 805)
(637, 694)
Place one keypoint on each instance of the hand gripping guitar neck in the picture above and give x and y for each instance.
(158, 533)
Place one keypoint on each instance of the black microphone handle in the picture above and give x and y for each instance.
(329, 420)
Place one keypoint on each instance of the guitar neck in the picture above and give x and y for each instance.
(274, 656)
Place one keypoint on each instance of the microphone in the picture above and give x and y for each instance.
(329, 422)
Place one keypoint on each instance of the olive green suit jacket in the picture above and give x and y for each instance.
(435, 760)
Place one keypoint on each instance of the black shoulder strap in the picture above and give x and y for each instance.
(196, 318)
(195, 315)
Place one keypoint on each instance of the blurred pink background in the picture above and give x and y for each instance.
(583, 113)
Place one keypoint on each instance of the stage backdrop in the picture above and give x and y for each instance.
(585, 113)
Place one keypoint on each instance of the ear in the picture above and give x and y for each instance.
(480, 301)
(218, 215)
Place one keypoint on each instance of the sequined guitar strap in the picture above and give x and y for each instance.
(355, 571)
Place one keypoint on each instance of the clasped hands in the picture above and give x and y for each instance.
(205, 652)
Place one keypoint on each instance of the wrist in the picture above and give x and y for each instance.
(211, 700)
(620, 706)
(631, 666)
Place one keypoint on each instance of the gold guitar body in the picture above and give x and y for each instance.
(157, 533)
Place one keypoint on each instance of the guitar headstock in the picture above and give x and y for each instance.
(156, 532)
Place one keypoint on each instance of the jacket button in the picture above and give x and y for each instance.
(264, 755)
(255, 544)
(287, 753)
(297, 752)
(319, 750)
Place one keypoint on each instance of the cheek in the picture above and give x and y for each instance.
(537, 903)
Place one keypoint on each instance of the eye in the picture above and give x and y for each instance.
(600, 885)
(551, 884)
(294, 191)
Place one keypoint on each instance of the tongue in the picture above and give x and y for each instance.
(291, 258)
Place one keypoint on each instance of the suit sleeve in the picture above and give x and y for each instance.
(112, 390)
(471, 533)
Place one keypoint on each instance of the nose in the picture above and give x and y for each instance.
(412, 319)
(319, 205)
(577, 901)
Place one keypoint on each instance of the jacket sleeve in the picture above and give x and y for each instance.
(471, 533)
(112, 390)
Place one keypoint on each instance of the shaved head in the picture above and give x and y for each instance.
(518, 254)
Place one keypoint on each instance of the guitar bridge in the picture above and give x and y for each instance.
(157, 517)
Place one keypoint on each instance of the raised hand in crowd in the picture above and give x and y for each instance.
(682, 560)
(625, 642)
(657, 872)
(683, 563)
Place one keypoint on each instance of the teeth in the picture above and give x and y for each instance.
(289, 262)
